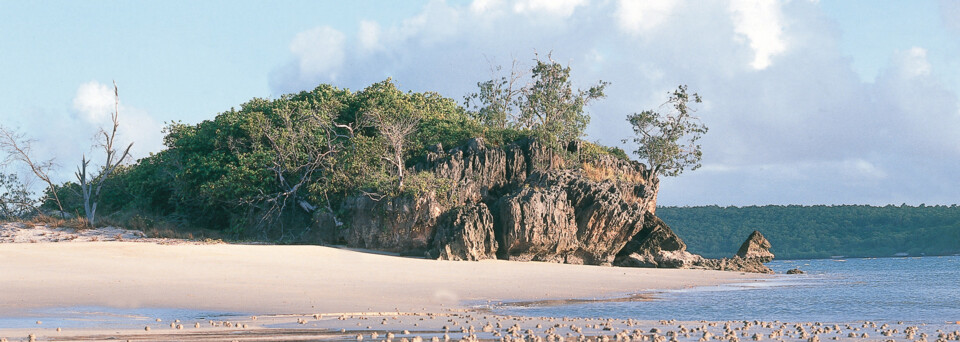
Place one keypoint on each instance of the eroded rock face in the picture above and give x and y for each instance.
(465, 233)
(756, 247)
(404, 225)
(515, 202)
(536, 225)
(564, 216)
(656, 246)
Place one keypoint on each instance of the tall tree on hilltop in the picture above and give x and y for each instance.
(548, 104)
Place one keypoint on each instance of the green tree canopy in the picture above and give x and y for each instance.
(668, 141)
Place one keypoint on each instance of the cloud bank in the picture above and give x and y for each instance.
(790, 121)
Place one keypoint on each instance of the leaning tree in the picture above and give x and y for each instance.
(668, 140)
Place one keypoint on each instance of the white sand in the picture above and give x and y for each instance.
(298, 279)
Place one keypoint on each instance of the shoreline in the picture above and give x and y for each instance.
(51, 270)
(473, 325)
(225, 277)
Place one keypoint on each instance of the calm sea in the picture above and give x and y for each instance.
(918, 290)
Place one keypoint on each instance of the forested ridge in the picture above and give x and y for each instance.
(801, 232)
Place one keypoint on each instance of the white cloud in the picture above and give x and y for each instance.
(369, 36)
(912, 62)
(485, 6)
(319, 51)
(790, 120)
(643, 16)
(94, 102)
(66, 135)
(761, 22)
(94, 105)
(561, 8)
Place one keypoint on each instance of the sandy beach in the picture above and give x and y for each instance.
(311, 293)
(43, 267)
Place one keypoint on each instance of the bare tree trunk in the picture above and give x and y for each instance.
(91, 186)
(19, 149)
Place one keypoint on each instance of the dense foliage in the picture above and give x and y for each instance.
(798, 232)
(274, 162)
(262, 171)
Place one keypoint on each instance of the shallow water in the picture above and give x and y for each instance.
(105, 318)
(919, 290)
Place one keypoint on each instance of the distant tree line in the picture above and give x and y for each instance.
(801, 232)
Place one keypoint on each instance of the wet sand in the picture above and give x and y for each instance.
(313, 293)
(477, 325)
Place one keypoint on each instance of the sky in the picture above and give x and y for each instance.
(808, 102)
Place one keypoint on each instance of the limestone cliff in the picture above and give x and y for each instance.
(518, 202)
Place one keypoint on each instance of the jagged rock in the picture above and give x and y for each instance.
(795, 271)
(756, 247)
(750, 258)
(518, 202)
(656, 246)
(403, 225)
(478, 173)
(465, 233)
(563, 216)
(536, 225)
(735, 264)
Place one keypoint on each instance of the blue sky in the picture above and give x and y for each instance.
(809, 102)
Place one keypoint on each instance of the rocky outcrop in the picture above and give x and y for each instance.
(404, 225)
(537, 225)
(795, 271)
(756, 247)
(518, 202)
(753, 253)
(566, 217)
(465, 233)
(736, 264)
(656, 246)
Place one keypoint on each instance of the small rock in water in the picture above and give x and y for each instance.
(146, 328)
